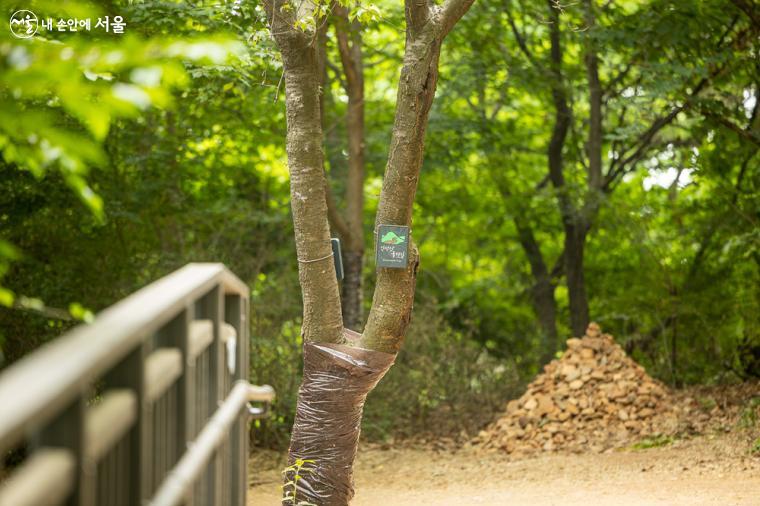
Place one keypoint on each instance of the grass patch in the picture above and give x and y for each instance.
(706, 403)
(754, 449)
(653, 442)
(748, 417)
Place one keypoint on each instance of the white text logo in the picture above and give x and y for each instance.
(23, 24)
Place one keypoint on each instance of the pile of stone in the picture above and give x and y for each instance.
(593, 398)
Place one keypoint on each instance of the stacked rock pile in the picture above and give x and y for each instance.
(593, 398)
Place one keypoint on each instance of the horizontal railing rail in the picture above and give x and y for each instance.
(111, 412)
(175, 488)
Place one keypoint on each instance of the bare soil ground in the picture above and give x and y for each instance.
(708, 470)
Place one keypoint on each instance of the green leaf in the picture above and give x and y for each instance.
(9, 251)
(6, 297)
(81, 313)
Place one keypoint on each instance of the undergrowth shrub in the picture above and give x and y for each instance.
(443, 382)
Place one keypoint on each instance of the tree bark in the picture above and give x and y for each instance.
(573, 224)
(543, 289)
(322, 319)
(544, 302)
(392, 302)
(575, 243)
(350, 50)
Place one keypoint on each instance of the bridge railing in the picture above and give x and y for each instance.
(146, 404)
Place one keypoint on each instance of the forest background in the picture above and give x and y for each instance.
(575, 170)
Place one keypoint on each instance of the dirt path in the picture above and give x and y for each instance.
(699, 472)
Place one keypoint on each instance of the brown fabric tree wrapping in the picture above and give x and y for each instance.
(336, 381)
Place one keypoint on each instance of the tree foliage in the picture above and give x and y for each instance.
(125, 157)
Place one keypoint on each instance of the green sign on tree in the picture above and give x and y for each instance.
(392, 246)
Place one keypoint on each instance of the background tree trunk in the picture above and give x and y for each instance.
(575, 242)
(573, 223)
(544, 302)
(350, 50)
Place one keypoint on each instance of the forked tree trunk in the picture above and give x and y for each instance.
(340, 369)
(322, 320)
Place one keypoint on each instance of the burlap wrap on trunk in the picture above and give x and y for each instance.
(336, 381)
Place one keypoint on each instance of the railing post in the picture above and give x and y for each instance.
(130, 373)
(219, 370)
(67, 431)
(212, 308)
(235, 308)
(179, 334)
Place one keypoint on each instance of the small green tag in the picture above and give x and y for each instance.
(392, 246)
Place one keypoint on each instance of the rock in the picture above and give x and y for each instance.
(594, 396)
(615, 392)
(570, 372)
(545, 405)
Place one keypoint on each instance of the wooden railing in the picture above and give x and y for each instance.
(147, 404)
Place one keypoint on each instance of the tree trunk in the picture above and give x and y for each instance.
(575, 237)
(337, 376)
(350, 50)
(544, 303)
(427, 26)
(573, 225)
(353, 293)
(575, 242)
(394, 292)
(322, 320)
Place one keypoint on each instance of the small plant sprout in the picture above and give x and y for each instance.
(294, 473)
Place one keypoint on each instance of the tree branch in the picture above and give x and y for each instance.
(609, 89)
(742, 132)
(642, 144)
(393, 298)
(322, 317)
(452, 11)
(520, 38)
(349, 58)
(749, 9)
